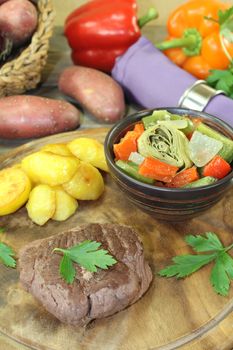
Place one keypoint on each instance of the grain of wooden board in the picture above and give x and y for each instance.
(174, 314)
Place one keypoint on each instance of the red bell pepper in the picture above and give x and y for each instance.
(101, 30)
(217, 168)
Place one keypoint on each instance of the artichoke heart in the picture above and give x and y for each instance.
(165, 143)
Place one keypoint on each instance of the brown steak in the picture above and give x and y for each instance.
(92, 295)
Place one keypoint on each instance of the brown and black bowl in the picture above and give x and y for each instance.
(171, 204)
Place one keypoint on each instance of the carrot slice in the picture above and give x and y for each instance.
(184, 177)
(139, 129)
(217, 168)
(127, 145)
(157, 170)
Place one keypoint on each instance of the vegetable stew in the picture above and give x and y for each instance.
(174, 151)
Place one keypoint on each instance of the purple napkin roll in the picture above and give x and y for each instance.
(151, 80)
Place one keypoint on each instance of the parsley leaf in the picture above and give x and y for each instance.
(6, 255)
(221, 80)
(67, 269)
(2, 229)
(88, 255)
(185, 265)
(226, 23)
(204, 244)
(219, 278)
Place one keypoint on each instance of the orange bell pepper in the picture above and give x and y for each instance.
(196, 37)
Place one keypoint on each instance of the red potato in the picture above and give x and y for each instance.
(18, 21)
(25, 116)
(95, 91)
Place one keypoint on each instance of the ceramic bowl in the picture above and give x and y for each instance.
(171, 204)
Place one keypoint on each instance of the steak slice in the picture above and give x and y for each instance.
(91, 295)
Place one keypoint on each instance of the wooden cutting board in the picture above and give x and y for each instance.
(184, 314)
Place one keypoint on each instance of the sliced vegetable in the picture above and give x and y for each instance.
(178, 124)
(65, 205)
(136, 158)
(139, 128)
(227, 150)
(41, 205)
(165, 143)
(151, 120)
(203, 148)
(217, 168)
(184, 177)
(127, 145)
(89, 150)
(164, 115)
(205, 181)
(132, 170)
(157, 170)
(15, 187)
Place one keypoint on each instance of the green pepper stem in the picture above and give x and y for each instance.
(149, 16)
(175, 43)
(191, 42)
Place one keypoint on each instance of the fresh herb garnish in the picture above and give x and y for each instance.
(185, 265)
(2, 229)
(7, 255)
(221, 80)
(88, 255)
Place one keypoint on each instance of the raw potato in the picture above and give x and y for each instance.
(15, 187)
(96, 91)
(25, 116)
(49, 168)
(57, 148)
(66, 205)
(41, 204)
(18, 20)
(86, 184)
(90, 151)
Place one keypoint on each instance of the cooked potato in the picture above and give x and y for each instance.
(86, 184)
(41, 204)
(49, 168)
(90, 151)
(17, 166)
(15, 187)
(66, 205)
(57, 148)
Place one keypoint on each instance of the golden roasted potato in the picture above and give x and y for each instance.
(49, 168)
(90, 151)
(16, 166)
(86, 184)
(15, 187)
(66, 205)
(41, 204)
(57, 148)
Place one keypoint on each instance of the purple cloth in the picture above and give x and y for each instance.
(151, 80)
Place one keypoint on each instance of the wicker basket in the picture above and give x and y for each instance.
(24, 72)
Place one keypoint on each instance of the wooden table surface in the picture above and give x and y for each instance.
(59, 58)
